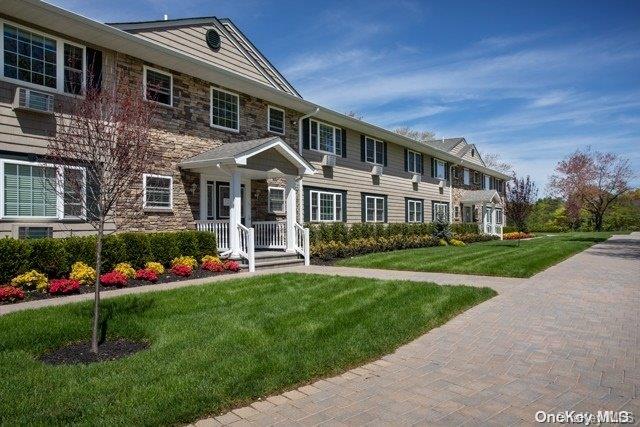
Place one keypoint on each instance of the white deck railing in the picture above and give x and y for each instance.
(301, 243)
(247, 246)
(270, 234)
(218, 226)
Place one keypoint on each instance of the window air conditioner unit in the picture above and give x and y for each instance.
(441, 183)
(31, 100)
(329, 160)
(376, 170)
(416, 178)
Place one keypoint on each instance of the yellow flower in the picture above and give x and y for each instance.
(210, 258)
(185, 260)
(83, 273)
(126, 269)
(156, 267)
(31, 280)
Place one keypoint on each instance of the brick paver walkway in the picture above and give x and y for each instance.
(566, 339)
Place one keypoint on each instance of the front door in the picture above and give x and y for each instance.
(219, 202)
(488, 220)
(467, 214)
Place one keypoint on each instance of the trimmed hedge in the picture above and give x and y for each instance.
(54, 257)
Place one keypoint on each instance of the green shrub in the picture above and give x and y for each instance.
(80, 249)
(164, 246)
(137, 247)
(14, 258)
(187, 243)
(49, 256)
(465, 228)
(327, 251)
(114, 251)
(207, 244)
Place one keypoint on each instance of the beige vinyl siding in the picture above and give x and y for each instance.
(191, 41)
(354, 176)
(473, 159)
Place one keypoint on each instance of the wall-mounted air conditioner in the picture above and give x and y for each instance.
(329, 160)
(416, 178)
(441, 183)
(376, 170)
(32, 100)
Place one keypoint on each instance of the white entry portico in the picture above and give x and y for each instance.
(491, 210)
(226, 173)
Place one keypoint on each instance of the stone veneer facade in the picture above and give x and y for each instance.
(183, 131)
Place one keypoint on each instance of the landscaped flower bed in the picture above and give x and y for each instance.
(34, 285)
(517, 235)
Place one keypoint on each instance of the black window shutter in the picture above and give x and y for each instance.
(446, 171)
(422, 209)
(421, 163)
(363, 210)
(344, 206)
(433, 167)
(305, 134)
(386, 216)
(384, 150)
(362, 149)
(314, 133)
(94, 69)
(306, 203)
(344, 143)
(406, 208)
(406, 160)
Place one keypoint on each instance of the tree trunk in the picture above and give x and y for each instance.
(96, 302)
(597, 221)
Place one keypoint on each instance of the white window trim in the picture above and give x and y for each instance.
(486, 184)
(317, 193)
(499, 218)
(466, 176)
(374, 141)
(435, 210)
(284, 201)
(335, 132)
(415, 165)
(456, 212)
(211, 89)
(269, 108)
(60, 42)
(144, 193)
(146, 68)
(59, 173)
(444, 166)
(376, 200)
(412, 206)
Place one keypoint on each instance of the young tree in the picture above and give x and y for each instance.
(592, 180)
(102, 144)
(521, 195)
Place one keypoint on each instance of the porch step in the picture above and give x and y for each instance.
(272, 259)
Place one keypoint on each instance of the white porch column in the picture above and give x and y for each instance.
(234, 213)
(291, 202)
(247, 203)
(493, 218)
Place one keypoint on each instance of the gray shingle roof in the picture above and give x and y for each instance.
(477, 196)
(447, 144)
(231, 149)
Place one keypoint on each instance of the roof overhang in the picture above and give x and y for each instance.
(77, 26)
(211, 158)
(480, 196)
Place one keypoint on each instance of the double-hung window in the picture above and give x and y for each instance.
(439, 169)
(374, 151)
(498, 216)
(45, 191)
(414, 211)
(33, 58)
(225, 110)
(466, 176)
(326, 138)
(374, 209)
(414, 161)
(158, 86)
(275, 120)
(275, 200)
(440, 211)
(476, 177)
(158, 192)
(326, 206)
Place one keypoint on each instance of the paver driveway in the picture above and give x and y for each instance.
(565, 339)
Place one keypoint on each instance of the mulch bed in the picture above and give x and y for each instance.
(80, 352)
(131, 283)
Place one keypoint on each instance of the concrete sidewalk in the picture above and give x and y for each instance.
(565, 339)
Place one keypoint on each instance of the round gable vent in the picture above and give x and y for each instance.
(213, 39)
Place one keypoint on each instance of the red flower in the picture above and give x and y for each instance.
(215, 266)
(147, 274)
(232, 266)
(113, 278)
(63, 286)
(11, 293)
(182, 270)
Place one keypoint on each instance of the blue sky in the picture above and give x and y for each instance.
(531, 81)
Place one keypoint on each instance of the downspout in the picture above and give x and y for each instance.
(301, 195)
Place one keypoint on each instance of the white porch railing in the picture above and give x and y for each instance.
(270, 234)
(247, 246)
(218, 226)
(301, 243)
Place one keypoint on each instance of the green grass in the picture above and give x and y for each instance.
(213, 347)
(494, 258)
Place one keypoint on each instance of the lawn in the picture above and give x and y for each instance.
(494, 258)
(213, 347)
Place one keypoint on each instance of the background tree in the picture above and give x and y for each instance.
(521, 195)
(418, 135)
(354, 114)
(592, 180)
(107, 133)
(495, 162)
